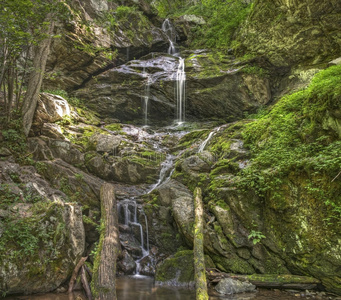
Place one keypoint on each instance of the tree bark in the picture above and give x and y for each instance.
(198, 251)
(104, 286)
(36, 77)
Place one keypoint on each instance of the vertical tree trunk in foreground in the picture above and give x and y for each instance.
(104, 286)
(199, 259)
(34, 84)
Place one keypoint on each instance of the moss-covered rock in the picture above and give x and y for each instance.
(178, 270)
(37, 253)
(290, 32)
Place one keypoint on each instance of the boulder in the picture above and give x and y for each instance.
(46, 255)
(126, 265)
(285, 41)
(178, 270)
(107, 143)
(229, 286)
(50, 108)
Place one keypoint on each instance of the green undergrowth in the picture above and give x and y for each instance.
(222, 19)
(294, 136)
(24, 239)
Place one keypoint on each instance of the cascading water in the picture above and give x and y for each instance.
(165, 172)
(204, 143)
(169, 30)
(180, 78)
(127, 212)
(180, 91)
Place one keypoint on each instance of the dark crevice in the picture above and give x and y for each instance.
(125, 55)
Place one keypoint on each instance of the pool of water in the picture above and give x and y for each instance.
(143, 288)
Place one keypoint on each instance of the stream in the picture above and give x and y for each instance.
(143, 288)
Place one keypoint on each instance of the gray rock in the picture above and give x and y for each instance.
(107, 143)
(336, 61)
(52, 130)
(50, 108)
(228, 286)
(127, 264)
(194, 19)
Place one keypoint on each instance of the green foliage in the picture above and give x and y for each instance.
(256, 236)
(123, 12)
(23, 238)
(222, 19)
(291, 139)
(23, 25)
(255, 70)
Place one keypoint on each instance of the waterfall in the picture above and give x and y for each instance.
(169, 30)
(127, 214)
(180, 91)
(204, 143)
(165, 170)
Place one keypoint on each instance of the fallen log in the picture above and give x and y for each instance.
(198, 250)
(75, 273)
(104, 273)
(281, 281)
(268, 280)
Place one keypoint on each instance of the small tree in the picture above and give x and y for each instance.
(26, 28)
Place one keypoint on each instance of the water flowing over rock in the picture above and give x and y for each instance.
(209, 93)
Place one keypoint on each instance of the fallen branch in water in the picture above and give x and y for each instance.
(75, 273)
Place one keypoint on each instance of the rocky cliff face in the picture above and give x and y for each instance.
(293, 33)
(98, 38)
(113, 58)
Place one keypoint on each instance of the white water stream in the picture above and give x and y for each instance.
(204, 143)
(169, 30)
(180, 75)
(181, 91)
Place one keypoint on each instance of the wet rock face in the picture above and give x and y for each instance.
(214, 89)
(127, 264)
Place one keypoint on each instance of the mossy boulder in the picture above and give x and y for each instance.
(293, 33)
(43, 253)
(178, 270)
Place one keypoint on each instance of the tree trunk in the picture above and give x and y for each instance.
(36, 77)
(269, 281)
(103, 284)
(199, 258)
(10, 90)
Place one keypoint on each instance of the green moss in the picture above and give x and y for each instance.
(179, 267)
(290, 139)
(117, 127)
(34, 240)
